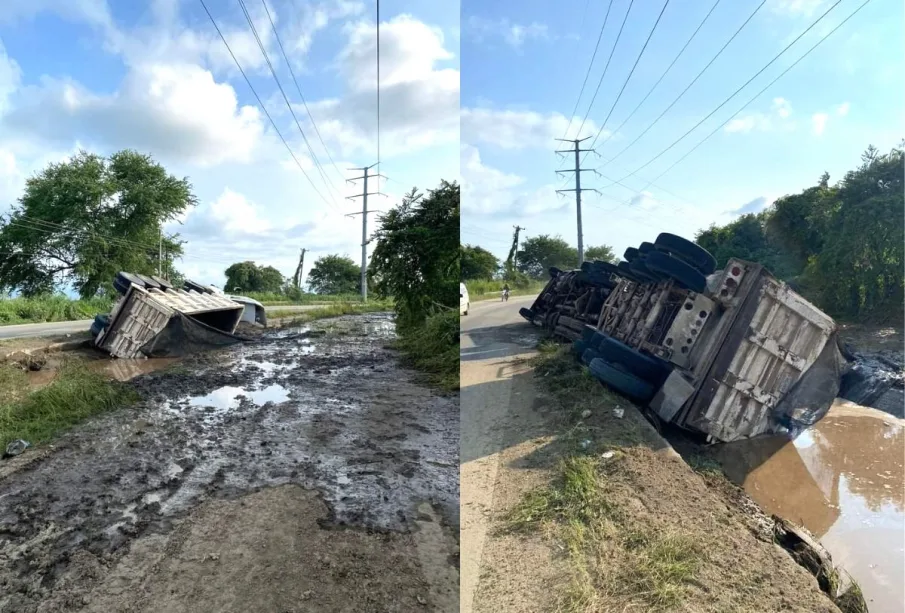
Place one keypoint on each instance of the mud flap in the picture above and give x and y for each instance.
(671, 396)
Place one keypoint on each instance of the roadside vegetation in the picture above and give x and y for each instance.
(277, 298)
(639, 529)
(39, 309)
(526, 271)
(332, 310)
(75, 394)
(842, 246)
(416, 261)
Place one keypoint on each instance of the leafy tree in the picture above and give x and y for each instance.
(416, 260)
(541, 252)
(80, 222)
(335, 274)
(603, 253)
(477, 263)
(249, 277)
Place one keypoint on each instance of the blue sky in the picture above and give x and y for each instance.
(104, 75)
(524, 62)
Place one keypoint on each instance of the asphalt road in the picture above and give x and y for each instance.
(493, 337)
(82, 325)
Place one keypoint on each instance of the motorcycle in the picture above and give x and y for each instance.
(505, 295)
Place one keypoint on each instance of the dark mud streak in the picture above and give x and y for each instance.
(356, 427)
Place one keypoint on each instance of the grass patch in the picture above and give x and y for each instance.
(276, 298)
(50, 308)
(75, 394)
(852, 600)
(433, 348)
(333, 310)
(619, 559)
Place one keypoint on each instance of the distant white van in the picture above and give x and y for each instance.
(464, 301)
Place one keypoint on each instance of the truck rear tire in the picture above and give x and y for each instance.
(100, 323)
(590, 354)
(694, 254)
(639, 267)
(630, 254)
(633, 361)
(526, 313)
(626, 272)
(683, 273)
(646, 247)
(554, 271)
(625, 383)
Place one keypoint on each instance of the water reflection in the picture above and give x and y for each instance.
(844, 480)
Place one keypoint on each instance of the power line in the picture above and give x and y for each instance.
(600, 82)
(735, 93)
(770, 84)
(693, 81)
(263, 108)
(292, 73)
(665, 72)
(588, 73)
(273, 72)
(631, 72)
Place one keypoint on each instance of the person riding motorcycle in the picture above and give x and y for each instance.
(505, 292)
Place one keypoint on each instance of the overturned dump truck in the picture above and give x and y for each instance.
(154, 319)
(731, 353)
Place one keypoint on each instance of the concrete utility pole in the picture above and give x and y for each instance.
(577, 189)
(364, 222)
(297, 278)
(515, 249)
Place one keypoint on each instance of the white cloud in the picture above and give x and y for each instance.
(519, 129)
(488, 192)
(782, 107)
(778, 116)
(842, 109)
(176, 111)
(818, 122)
(10, 77)
(513, 34)
(644, 200)
(797, 8)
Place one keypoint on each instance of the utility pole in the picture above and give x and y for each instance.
(297, 278)
(159, 249)
(364, 222)
(577, 150)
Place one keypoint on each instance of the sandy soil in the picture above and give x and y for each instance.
(519, 446)
(302, 472)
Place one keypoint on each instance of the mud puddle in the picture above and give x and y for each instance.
(332, 413)
(843, 480)
(118, 370)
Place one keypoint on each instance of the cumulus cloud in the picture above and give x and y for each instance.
(518, 129)
(818, 123)
(177, 111)
(490, 192)
(842, 109)
(797, 8)
(780, 111)
(513, 34)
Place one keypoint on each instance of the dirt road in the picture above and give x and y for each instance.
(499, 426)
(305, 472)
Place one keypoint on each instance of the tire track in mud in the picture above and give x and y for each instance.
(333, 413)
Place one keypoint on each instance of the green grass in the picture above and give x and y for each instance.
(619, 559)
(486, 290)
(276, 299)
(332, 310)
(50, 308)
(75, 394)
(433, 348)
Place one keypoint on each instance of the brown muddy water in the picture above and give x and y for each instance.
(843, 480)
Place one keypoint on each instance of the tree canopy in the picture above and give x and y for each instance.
(841, 245)
(335, 274)
(477, 263)
(249, 277)
(600, 252)
(539, 253)
(416, 260)
(80, 222)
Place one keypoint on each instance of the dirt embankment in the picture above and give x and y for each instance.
(608, 518)
(303, 472)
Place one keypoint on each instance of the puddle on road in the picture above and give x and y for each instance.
(229, 397)
(118, 370)
(844, 480)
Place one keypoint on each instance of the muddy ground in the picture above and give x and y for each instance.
(306, 471)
